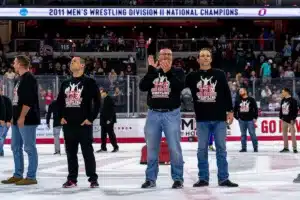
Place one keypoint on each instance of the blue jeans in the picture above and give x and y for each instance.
(27, 136)
(3, 133)
(169, 123)
(219, 129)
(211, 139)
(244, 126)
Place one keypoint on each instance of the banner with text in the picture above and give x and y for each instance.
(103, 12)
(134, 128)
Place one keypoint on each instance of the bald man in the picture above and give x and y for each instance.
(78, 105)
(164, 84)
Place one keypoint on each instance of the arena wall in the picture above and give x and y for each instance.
(132, 130)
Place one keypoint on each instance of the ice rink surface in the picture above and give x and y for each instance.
(267, 175)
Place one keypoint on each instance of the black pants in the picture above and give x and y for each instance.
(108, 129)
(83, 135)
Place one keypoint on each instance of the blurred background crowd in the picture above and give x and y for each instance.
(263, 55)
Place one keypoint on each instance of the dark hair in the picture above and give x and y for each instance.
(286, 90)
(205, 49)
(24, 61)
(244, 87)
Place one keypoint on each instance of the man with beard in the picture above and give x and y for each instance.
(246, 112)
(26, 118)
(164, 84)
(78, 104)
(213, 107)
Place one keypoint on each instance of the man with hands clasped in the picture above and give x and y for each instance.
(164, 84)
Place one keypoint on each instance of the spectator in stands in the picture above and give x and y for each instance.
(49, 97)
(287, 50)
(265, 71)
(141, 42)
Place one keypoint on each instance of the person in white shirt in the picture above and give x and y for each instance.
(10, 74)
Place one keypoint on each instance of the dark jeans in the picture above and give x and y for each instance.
(108, 129)
(204, 129)
(83, 135)
(211, 139)
(244, 126)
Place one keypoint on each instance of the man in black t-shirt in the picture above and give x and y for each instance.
(246, 112)
(78, 104)
(214, 111)
(164, 84)
(26, 118)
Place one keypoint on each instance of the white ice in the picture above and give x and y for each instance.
(266, 175)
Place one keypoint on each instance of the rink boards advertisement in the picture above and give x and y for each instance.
(132, 130)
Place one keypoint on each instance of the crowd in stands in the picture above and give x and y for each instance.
(245, 60)
(262, 74)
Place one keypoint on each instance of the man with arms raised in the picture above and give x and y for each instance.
(164, 84)
(213, 107)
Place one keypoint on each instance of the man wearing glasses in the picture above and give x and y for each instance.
(164, 84)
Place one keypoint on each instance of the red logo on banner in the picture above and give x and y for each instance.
(262, 12)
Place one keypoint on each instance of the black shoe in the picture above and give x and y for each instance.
(57, 153)
(228, 183)
(149, 184)
(94, 184)
(201, 183)
(295, 151)
(2, 154)
(243, 150)
(115, 150)
(255, 150)
(101, 150)
(69, 184)
(284, 150)
(177, 185)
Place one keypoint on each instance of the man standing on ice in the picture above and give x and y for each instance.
(213, 107)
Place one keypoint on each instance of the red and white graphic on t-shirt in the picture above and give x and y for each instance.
(73, 95)
(244, 106)
(15, 99)
(207, 90)
(285, 108)
(161, 87)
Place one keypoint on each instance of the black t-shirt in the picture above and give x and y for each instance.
(26, 93)
(164, 89)
(246, 109)
(211, 94)
(79, 99)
